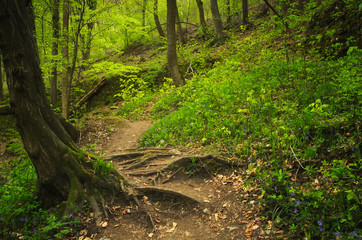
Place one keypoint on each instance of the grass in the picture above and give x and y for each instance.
(300, 118)
(292, 115)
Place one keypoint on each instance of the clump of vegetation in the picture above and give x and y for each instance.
(291, 113)
(20, 213)
(299, 117)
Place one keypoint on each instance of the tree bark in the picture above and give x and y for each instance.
(245, 12)
(90, 25)
(157, 20)
(228, 14)
(1, 81)
(171, 43)
(144, 6)
(64, 174)
(217, 21)
(202, 17)
(54, 75)
(65, 53)
(179, 28)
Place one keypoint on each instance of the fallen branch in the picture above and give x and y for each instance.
(90, 94)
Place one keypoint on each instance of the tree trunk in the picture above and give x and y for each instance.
(245, 12)
(157, 20)
(171, 43)
(144, 6)
(64, 174)
(1, 81)
(179, 28)
(202, 17)
(88, 40)
(217, 21)
(54, 75)
(228, 14)
(65, 53)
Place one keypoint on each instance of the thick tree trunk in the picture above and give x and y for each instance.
(1, 81)
(157, 20)
(171, 43)
(245, 12)
(217, 21)
(202, 17)
(62, 171)
(54, 76)
(65, 53)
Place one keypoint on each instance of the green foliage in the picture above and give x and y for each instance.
(102, 167)
(302, 113)
(20, 212)
(135, 108)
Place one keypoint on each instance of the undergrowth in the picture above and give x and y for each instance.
(21, 216)
(300, 118)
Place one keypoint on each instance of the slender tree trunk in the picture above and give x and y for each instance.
(75, 51)
(217, 21)
(144, 6)
(1, 81)
(179, 28)
(202, 17)
(65, 53)
(245, 12)
(157, 20)
(88, 40)
(54, 75)
(228, 13)
(171, 43)
(62, 171)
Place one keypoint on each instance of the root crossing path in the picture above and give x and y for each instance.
(186, 196)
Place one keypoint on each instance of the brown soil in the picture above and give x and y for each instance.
(187, 196)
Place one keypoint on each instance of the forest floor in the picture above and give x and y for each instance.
(199, 200)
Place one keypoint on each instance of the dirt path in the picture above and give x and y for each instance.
(188, 196)
(126, 137)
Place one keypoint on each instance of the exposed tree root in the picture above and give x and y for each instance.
(155, 189)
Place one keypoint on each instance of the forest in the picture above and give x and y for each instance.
(180, 119)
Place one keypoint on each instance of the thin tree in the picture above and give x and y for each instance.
(245, 12)
(157, 20)
(92, 4)
(179, 28)
(54, 74)
(217, 22)
(200, 6)
(228, 14)
(65, 174)
(66, 69)
(171, 43)
(144, 6)
(1, 81)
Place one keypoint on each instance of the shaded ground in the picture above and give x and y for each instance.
(187, 197)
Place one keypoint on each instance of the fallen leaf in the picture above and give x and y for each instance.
(104, 224)
(116, 208)
(173, 227)
(255, 227)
